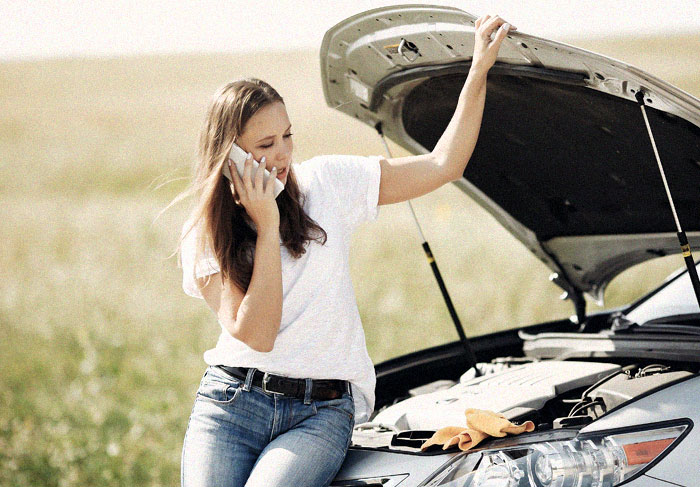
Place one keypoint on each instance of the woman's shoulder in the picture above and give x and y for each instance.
(334, 167)
(318, 174)
(190, 230)
(326, 159)
(190, 235)
(349, 183)
(194, 265)
(310, 172)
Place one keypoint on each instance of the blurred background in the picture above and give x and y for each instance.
(101, 351)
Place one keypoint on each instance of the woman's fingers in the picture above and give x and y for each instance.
(271, 182)
(259, 173)
(500, 35)
(253, 194)
(236, 183)
(486, 47)
(247, 173)
(490, 26)
(481, 20)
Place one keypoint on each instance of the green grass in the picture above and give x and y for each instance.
(101, 349)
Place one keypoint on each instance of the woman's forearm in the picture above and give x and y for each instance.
(408, 177)
(404, 178)
(457, 142)
(260, 313)
(455, 147)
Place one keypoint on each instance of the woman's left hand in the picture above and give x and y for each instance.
(485, 48)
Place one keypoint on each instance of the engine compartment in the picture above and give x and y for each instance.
(554, 394)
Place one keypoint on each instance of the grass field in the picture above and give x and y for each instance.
(101, 349)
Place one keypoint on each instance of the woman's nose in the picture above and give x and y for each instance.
(283, 155)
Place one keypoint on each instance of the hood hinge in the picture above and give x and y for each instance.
(576, 297)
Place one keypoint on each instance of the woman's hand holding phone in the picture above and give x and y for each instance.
(256, 195)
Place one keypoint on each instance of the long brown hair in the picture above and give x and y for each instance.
(225, 227)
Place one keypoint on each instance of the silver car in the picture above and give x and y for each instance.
(614, 395)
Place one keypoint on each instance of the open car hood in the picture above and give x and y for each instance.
(563, 161)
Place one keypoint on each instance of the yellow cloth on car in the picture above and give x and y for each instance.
(480, 425)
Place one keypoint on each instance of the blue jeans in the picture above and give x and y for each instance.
(240, 435)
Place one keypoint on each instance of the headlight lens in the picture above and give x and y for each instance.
(603, 460)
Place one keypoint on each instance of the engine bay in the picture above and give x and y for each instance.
(554, 394)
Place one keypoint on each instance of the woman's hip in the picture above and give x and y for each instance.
(233, 423)
(238, 406)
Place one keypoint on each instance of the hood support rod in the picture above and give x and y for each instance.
(471, 358)
(682, 238)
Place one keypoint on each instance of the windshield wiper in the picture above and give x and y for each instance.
(669, 328)
(685, 324)
(691, 320)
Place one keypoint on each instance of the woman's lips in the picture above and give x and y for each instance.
(282, 174)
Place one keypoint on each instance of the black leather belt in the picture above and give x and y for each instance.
(321, 389)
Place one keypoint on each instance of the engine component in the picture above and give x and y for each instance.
(437, 385)
(622, 387)
(571, 422)
(529, 385)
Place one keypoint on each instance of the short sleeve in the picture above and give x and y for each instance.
(204, 266)
(354, 181)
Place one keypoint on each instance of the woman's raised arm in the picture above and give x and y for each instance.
(404, 178)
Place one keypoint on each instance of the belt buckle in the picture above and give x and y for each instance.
(265, 380)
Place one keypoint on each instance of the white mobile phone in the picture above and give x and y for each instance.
(238, 157)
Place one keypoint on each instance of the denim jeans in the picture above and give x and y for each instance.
(240, 435)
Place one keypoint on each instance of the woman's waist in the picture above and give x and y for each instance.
(320, 389)
(325, 359)
(343, 365)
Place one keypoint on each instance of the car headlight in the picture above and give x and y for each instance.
(601, 460)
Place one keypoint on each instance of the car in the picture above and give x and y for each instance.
(566, 163)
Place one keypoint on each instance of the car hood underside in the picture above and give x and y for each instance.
(563, 161)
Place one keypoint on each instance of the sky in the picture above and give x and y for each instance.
(51, 28)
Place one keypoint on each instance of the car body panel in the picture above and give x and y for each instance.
(674, 298)
(608, 345)
(647, 481)
(613, 213)
(676, 402)
(363, 464)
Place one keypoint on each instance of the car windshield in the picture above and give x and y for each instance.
(676, 298)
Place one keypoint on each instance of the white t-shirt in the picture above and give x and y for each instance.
(320, 334)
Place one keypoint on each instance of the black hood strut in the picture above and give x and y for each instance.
(466, 344)
(685, 247)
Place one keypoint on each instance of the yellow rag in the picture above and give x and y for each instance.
(480, 425)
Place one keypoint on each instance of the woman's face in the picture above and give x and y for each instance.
(268, 133)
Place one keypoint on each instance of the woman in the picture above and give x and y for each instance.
(290, 374)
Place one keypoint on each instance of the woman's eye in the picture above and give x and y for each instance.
(286, 136)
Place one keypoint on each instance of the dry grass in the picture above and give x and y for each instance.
(101, 350)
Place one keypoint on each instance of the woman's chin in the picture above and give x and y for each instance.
(283, 176)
